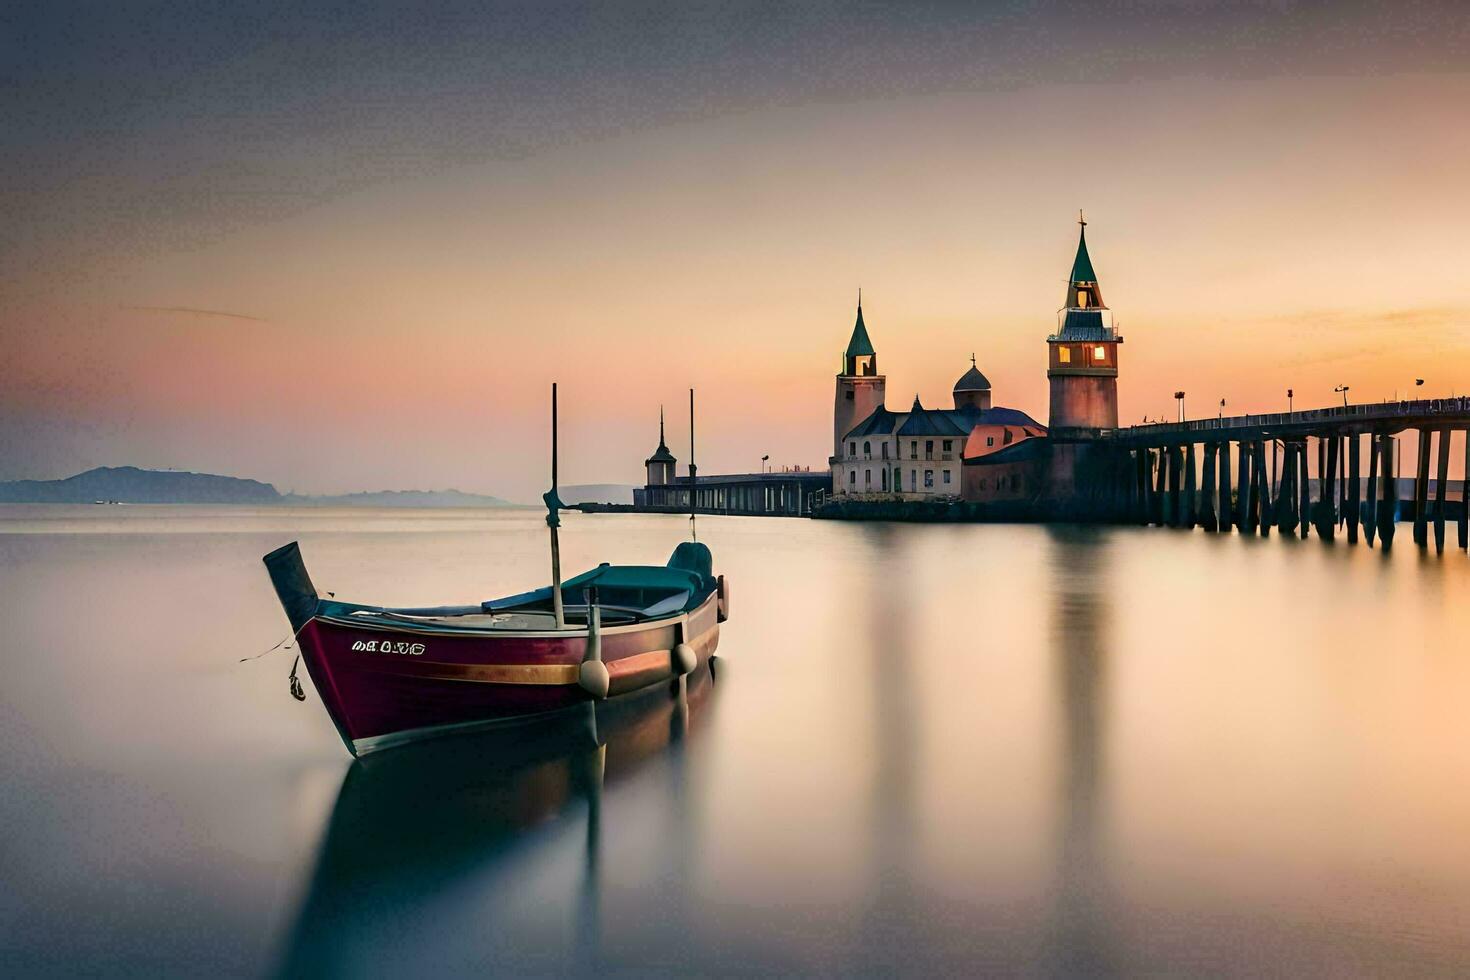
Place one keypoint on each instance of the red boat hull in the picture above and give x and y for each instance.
(386, 684)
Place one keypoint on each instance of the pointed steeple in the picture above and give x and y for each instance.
(661, 454)
(1082, 289)
(859, 345)
(1082, 264)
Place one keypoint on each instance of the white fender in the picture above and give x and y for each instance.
(685, 659)
(592, 677)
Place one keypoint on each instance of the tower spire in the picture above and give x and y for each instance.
(661, 425)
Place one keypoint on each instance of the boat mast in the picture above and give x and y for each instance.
(553, 520)
(693, 485)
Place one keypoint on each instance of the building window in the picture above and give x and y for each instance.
(867, 479)
(1007, 440)
(867, 450)
(946, 476)
(914, 449)
(885, 478)
(1064, 355)
(852, 478)
(928, 448)
(1099, 353)
(990, 440)
(913, 480)
(948, 445)
(928, 479)
(883, 448)
(852, 449)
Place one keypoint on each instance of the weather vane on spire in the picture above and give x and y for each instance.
(972, 360)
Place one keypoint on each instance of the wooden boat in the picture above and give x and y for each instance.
(388, 675)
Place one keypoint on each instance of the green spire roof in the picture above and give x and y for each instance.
(860, 345)
(1082, 265)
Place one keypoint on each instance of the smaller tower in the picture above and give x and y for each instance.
(860, 388)
(1083, 354)
(661, 464)
(973, 389)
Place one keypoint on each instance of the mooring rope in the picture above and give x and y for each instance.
(284, 643)
(296, 690)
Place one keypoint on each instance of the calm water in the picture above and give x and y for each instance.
(928, 749)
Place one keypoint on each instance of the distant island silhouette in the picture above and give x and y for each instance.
(133, 485)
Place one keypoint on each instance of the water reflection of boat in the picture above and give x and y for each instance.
(390, 675)
(419, 837)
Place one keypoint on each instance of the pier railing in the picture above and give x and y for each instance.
(1375, 416)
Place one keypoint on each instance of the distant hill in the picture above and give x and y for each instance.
(131, 485)
(128, 484)
(600, 493)
(398, 498)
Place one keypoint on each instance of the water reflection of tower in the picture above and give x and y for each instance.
(1079, 642)
(890, 930)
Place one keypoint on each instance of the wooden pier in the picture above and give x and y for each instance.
(1180, 474)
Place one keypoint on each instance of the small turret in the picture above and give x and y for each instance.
(973, 388)
(661, 464)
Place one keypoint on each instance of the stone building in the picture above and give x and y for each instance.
(921, 453)
(976, 451)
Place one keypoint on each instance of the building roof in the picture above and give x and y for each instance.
(1024, 447)
(1084, 325)
(949, 422)
(972, 380)
(860, 345)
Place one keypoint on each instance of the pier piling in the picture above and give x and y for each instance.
(1370, 516)
(1304, 489)
(1263, 513)
(1207, 518)
(1172, 517)
(1388, 501)
(1441, 486)
(1226, 507)
(1354, 489)
(1465, 495)
(1188, 504)
(1285, 491)
(1156, 512)
(1327, 505)
(1421, 492)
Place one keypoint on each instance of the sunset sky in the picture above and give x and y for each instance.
(349, 248)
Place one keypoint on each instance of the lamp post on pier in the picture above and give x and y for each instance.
(1179, 397)
(1343, 390)
(1289, 394)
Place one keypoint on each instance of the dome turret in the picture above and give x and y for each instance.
(972, 389)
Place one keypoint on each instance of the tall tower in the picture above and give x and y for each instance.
(859, 385)
(1083, 353)
(661, 463)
